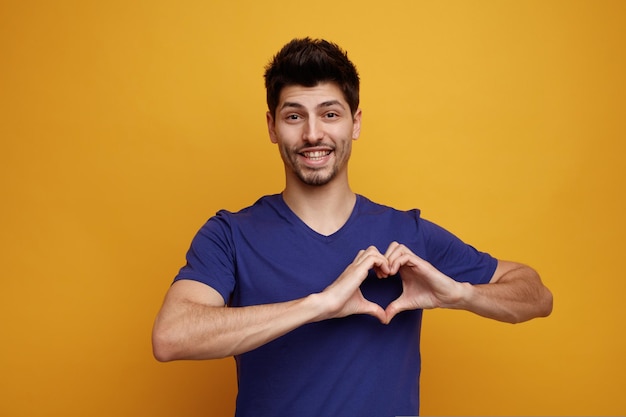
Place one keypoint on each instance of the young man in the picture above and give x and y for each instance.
(318, 292)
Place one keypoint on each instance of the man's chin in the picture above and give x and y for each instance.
(315, 179)
(316, 182)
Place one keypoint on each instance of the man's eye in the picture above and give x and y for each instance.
(293, 117)
(331, 115)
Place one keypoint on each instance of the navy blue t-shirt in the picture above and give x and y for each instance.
(353, 366)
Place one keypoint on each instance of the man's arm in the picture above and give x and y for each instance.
(194, 322)
(514, 294)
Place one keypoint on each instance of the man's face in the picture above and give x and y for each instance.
(314, 129)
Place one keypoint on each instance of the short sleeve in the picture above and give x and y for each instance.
(210, 258)
(455, 258)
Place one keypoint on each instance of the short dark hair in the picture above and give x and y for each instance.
(308, 62)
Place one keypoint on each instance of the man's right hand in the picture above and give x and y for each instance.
(344, 297)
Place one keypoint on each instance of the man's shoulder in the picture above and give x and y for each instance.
(268, 208)
(263, 203)
(367, 205)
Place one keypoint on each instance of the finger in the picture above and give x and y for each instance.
(392, 247)
(394, 250)
(393, 309)
(377, 311)
(382, 271)
(381, 267)
(403, 256)
(371, 258)
(358, 256)
(371, 250)
(397, 250)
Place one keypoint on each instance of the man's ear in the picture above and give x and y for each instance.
(271, 126)
(356, 128)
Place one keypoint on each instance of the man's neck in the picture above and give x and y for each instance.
(324, 209)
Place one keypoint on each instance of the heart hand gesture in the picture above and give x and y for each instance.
(423, 285)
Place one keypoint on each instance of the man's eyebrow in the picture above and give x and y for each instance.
(291, 104)
(330, 103)
(297, 105)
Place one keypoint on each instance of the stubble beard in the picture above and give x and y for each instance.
(310, 176)
(315, 177)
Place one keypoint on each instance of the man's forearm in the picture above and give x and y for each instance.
(197, 331)
(517, 296)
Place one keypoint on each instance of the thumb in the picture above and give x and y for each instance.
(377, 311)
(392, 309)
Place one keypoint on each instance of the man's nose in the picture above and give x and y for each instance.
(313, 130)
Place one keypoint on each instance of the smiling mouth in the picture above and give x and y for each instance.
(315, 155)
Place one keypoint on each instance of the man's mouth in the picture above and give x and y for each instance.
(316, 155)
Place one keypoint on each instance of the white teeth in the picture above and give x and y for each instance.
(316, 154)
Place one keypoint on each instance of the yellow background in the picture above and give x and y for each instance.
(125, 124)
